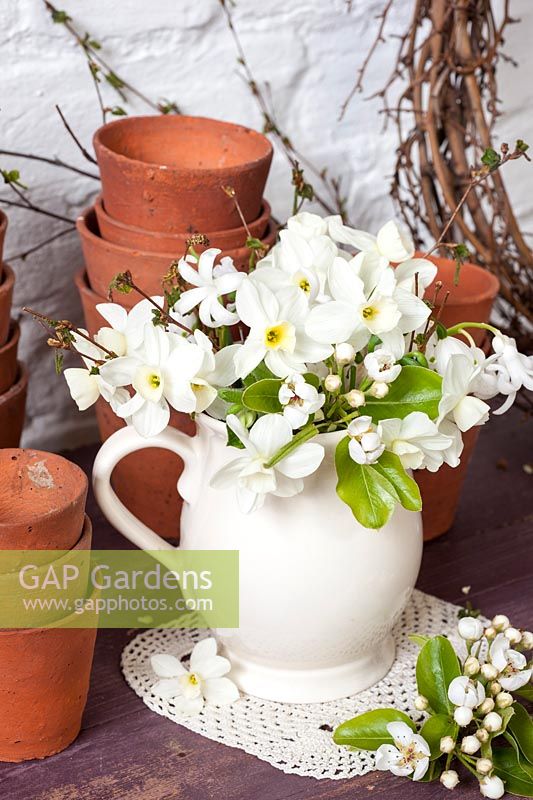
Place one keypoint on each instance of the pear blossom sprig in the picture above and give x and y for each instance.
(470, 713)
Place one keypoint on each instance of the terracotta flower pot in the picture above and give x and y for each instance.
(165, 173)
(145, 482)
(42, 501)
(12, 407)
(471, 300)
(44, 680)
(8, 358)
(3, 229)
(116, 232)
(7, 281)
(441, 491)
(105, 260)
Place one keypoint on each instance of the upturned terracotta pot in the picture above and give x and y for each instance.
(42, 500)
(165, 173)
(8, 358)
(44, 680)
(7, 282)
(116, 232)
(12, 408)
(441, 491)
(105, 260)
(3, 229)
(145, 482)
(471, 300)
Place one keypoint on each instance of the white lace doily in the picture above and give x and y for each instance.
(294, 738)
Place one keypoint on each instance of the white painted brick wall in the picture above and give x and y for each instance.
(181, 49)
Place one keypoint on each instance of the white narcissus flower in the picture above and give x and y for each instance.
(392, 243)
(365, 445)
(466, 693)
(210, 283)
(413, 272)
(511, 369)
(86, 386)
(204, 683)
(381, 367)
(300, 399)
(126, 329)
(470, 629)
(512, 665)
(160, 376)
(452, 454)
(277, 334)
(492, 787)
(466, 411)
(248, 473)
(308, 225)
(416, 440)
(217, 370)
(409, 755)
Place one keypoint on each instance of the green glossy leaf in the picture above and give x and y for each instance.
(390, 466)
(263, 396)
(368, 731)
(369, 494)
(433, 773)
(415, 389)
(520, 726)
(419, 639)
(433, 730)
(436, 667)
(258, 374)
(516, 774)
(526, 692)
(313, 379)
(231, 395)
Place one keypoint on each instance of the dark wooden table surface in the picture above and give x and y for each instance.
(125, 751)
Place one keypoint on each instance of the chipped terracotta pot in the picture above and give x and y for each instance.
(12, 408)
(441, 491)
(7, 281)
(145, 482)
(8, 358)
(116, 232)
(471, 300)
(105, 260)
(3, 229)
(44, 681)
(42, 500)
(165, 173)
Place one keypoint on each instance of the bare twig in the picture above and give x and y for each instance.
(55, 162)
(29, 206)
(42, 244)
(85, 153)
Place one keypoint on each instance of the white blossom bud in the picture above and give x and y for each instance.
(484, 766)
(447, 744)
(449, 779)
(492, 722)
(379, 389)
(527, 640)
(513, 635)
(421, 703)
(504, 700)
(471, 666)
(470, 629)
(355, 398)
(470, 745)
(482, 735)
(344, 354)
(489, 672)
(486, 706)
(500, 622)
(463, 716)
(494, 688)
(490, 632)
(492, 787)
(332, 383)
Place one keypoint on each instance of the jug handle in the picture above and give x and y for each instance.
(114, 449)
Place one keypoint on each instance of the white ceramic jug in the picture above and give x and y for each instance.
(319, 594)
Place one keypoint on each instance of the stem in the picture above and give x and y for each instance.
(68, 326)
(483, 325)
(55, 162)
(29, 206)
(166, 316)
(41, 244)
(230, 191)
(71, 133)
(296, 441)
(465, 763)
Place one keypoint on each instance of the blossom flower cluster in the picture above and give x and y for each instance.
(331, 332)
(471, 714)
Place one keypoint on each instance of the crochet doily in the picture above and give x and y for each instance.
(295, 738)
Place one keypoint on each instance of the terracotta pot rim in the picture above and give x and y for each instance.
(85, 232)
(20, 384)
(175, 120)
(266, 211)
(8, 280)
(3, 221)
(5, 632)
(12, 339)
(489, 292)
(50, 515)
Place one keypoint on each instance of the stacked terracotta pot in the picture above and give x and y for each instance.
(45, 671)
(13, 377)
(162, 181)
